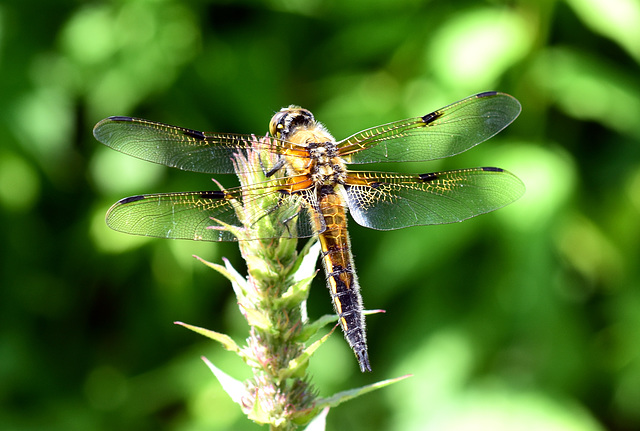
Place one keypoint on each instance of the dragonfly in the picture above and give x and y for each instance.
(311, 188)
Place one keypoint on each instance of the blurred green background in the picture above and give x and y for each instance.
(526, 318)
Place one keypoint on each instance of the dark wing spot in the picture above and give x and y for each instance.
(431, 117)
(486, 94)
(428, 177)
(120, 118)
(194, 134)
(492, 169)
(214, 194)
(131, 199)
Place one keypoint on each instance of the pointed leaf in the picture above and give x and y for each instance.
(258, 414)
(296, 293)
(226, 341)
(341, 397)
(312, 328)
(304, 315)
(376, 311)
(239, 282)
(319, 423)
(297, 366)
(258, 319)
(228, 272)
(305, 265)
(239, 232)
(234, 388)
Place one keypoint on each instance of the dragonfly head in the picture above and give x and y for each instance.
(288, 120)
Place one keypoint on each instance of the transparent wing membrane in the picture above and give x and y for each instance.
(448, 131)
(204, 215)
(376, 200)
(181, 148)
(388, 201)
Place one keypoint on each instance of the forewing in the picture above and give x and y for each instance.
(262, 210)
(442, 133)
(388, 201)
(181, 148)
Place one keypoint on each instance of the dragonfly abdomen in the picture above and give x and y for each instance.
(341, 275)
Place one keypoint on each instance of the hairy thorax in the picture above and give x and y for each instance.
(322, 164)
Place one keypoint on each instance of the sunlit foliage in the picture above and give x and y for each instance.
(527, 316)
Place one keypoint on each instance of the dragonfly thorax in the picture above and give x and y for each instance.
(326, 167)
(321, 162)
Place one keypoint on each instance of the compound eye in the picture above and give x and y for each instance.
(277, 123)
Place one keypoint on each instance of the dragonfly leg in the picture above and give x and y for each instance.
(276, 167)
(279, 204)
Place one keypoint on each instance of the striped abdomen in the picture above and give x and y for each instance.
(341, 274)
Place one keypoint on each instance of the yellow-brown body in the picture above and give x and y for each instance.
(340, 271)
(322, 169)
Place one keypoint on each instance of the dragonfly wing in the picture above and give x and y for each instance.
(177, 147)
(442, 133)
(264, 212)
(388, 201)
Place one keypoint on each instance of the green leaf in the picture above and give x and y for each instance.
(341, 397)
(259, 415)
(229, 272)
(226, 341)
(258, 319)
(305, 264)
(319, 423)
(296, 293)
(234, 388)
(236, 231)
(297, 366)
(312, 328)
